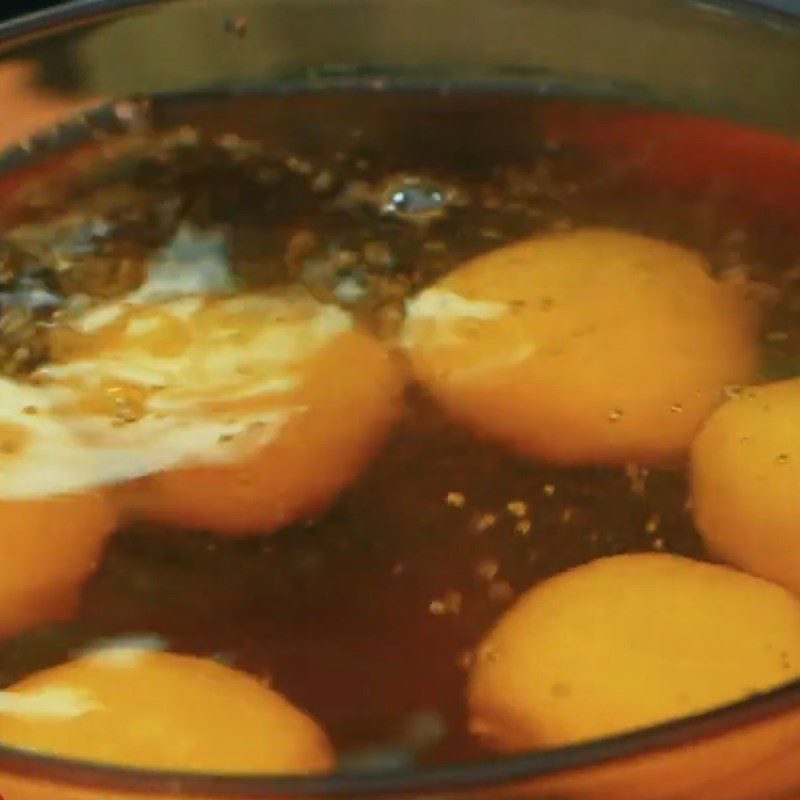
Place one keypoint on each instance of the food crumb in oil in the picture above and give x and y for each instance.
(523, 527)
(653, 524)
(548, 490)
(323, 182)
(299, 166)
(231, 142)
(450, 603)
(456, 499)
(485, 521)
(615, 415)
(518, 508)
(487, 569)
(637, 477)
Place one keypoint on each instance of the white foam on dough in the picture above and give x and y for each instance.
(184, 421)
(51, 460)
(53, 702)
(218, 360)
(441, 305)
(120, 656)
(140, 643)
(154, 444)
(431, 319)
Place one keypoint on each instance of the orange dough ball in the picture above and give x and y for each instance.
(746, 482)
(155, 710)
(597, 346)
(53, 520)
(239, 415)
(48, 548)
(349, 394)
(627, 642)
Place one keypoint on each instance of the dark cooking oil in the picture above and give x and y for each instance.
(366, 615)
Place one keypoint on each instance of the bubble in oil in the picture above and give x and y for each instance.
(416, 199)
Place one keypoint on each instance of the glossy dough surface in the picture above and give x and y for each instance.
(54, 521)
(626, 642)
(237, 415)
(162, 711)
(596, 346)
(746, 482)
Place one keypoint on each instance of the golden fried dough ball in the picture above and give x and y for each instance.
(237, 415)
(746, 482)
(54, 521)
(597, 346)
(155, 710)
(626, 642)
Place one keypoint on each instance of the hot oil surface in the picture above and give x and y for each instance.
(366, 615)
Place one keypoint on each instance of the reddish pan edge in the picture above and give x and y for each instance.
(757, 171)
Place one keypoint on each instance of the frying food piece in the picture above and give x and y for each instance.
(237, 415)
(626, 642)
(54, 520)
(745, 481)
(139, 708)
(596, 346)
